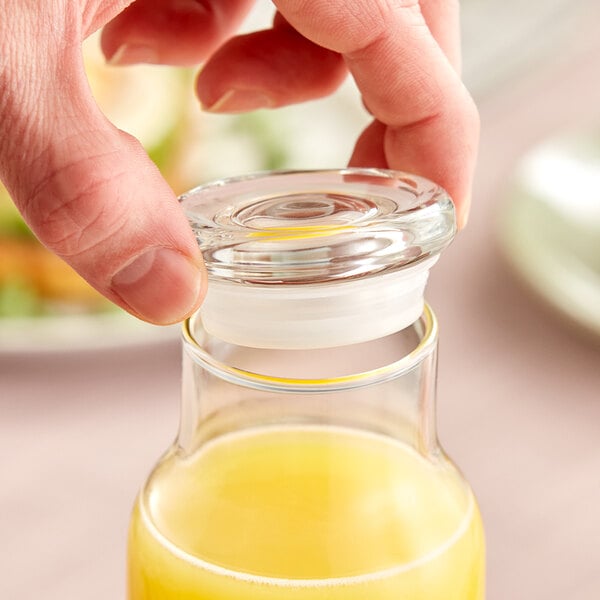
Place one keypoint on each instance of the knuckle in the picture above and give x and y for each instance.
(365, 22)
(75, 207)
(381, 20)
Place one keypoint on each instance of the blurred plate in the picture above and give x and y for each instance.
(550, 225)
(79, 333)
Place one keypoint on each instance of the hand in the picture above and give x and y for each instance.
(91, 194)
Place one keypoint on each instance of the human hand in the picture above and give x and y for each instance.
(404, 56)
(91, 194)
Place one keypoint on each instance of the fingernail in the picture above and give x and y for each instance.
(237, 101)
(161, 286)
(463, 213)
(131, 54)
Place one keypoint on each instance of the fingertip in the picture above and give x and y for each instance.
(463, 210)
(369, 149)
(161, 286)
(268, 69)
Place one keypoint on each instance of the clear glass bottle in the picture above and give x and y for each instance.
(307, 464)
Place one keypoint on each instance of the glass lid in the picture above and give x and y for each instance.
(317, 226)
(294, 251)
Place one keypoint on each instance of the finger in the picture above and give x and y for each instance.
(369, 150)
(270, 68)
(89, 191)
(178, 32)
(406, 81)
(443, 20)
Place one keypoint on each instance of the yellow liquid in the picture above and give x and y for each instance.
(305, 513)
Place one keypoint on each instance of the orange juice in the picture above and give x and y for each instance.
(305, 513)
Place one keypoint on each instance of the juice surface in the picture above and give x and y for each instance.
(306, 513)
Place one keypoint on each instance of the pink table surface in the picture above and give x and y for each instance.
(519, 408)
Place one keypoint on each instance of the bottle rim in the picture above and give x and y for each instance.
(427, 330)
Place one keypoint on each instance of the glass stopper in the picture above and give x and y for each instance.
(311, 259)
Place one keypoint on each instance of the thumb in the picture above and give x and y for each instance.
(90, 192)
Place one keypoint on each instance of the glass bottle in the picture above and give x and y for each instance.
(307, 464)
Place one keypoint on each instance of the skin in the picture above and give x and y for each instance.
(92, 195)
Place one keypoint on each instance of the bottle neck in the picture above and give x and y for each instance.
(386, 386)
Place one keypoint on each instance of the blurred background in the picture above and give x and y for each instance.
(89, 396)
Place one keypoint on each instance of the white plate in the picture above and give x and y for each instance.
(79, 333)
(550, 225)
